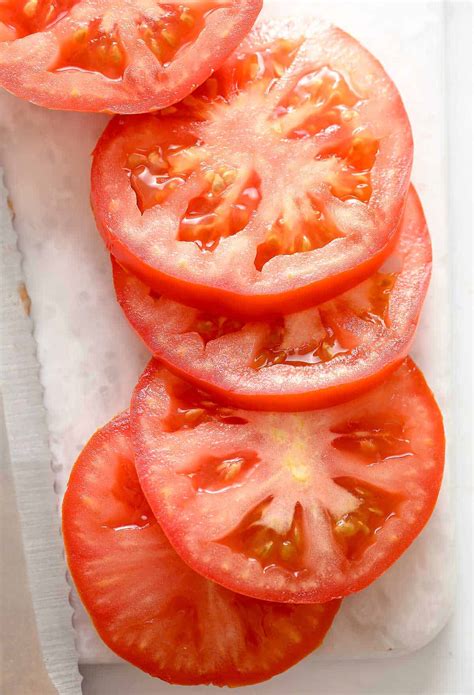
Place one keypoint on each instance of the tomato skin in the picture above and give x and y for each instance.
(193, 278)
(198, 525)
(143, 87)
(241, 306)
(117, 567)
(235, 382)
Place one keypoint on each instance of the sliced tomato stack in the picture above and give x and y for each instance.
(281, 449)
(322, 355)
(150, 607)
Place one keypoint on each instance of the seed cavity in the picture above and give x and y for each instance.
(32, 16)
(324, 102)
(330, 343)
(155, 173)
(177, 26)
(357, 530)
(303, 226)
(213, 474)
(319, 100)
(90, 49)
(130, 510)
(374, 439)
(211, 326)
(257, 541)
(379, 289)
(357, 153)
(190, 407)
(224, 208)
(200, 104)
(264, 67)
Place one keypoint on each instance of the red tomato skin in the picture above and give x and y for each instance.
(291, 402)
(245, 307)
(79, 486)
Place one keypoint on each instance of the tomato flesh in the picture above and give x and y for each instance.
(306, 360)
(285, 186)
(120, 57)
(295, 507)
(147, 605)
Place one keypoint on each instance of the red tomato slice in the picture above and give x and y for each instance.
(311, 359)
(121, 57)
(297, 507)
(152, 609)
(277, 185)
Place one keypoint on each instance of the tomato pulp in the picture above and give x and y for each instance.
(147, 605)
(278, 184)
(297, 507)
(119, 57)
(310, 359)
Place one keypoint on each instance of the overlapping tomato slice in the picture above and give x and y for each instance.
(147, 605)
(121, 57)
(297, 507)
(304, 360)
(279, 183)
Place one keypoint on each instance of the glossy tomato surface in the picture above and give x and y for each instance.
(124, 56)
(278, 184)
(310, 359)
(297, 507)
(147, 605)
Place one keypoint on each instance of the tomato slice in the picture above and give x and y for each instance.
(278, 184)
(310, 359)
(297, 507)
(147, 605)
(121, 57)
